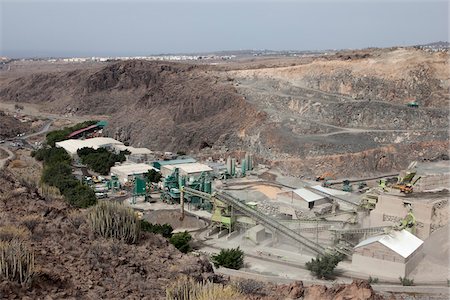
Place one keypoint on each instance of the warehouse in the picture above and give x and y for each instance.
(191, 170)
(71, 145)
(160, 163)
(302, 198)
(398, 253)
(137, 155)
(126, 172)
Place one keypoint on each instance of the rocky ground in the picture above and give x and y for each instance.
(10, 126)
(73, 264)
(345, 113)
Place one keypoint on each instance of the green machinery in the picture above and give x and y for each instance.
(347, 187)
(171, 192)
(175, 182)
(203, 184)
(139, 189)
(413, 104)
(114, 183)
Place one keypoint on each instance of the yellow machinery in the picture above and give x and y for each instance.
(405, 184)
(408, 222)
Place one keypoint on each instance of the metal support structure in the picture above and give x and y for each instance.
(263, 219)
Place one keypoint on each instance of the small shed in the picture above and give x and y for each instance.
(398, 252)
(126, 172)
(302, 198)
(190, 170)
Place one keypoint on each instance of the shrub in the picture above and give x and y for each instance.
(76, 218)
(16, 261)
(100, 160)
(165, 230)
(229, 258)
(181, 241)
(153, 176)
(188, 289)
(81, 196)
(249, 286)
(373, 280)
(31, 221)
(58, 173)
(323, 266)
(114, 220)
(406, 282)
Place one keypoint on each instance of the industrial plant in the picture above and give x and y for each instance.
(370, 221)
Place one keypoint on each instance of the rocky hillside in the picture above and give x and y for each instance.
(396, 76)
(163, 106)
(346, 112)
(72, 263)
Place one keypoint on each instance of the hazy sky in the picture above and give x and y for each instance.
(88, 28)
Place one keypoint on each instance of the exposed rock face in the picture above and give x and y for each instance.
(163, 106)
(357, 290)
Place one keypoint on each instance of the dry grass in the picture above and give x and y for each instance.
(9, 233)
(17, 164)
(31, 221)
(76, 218)
(188, 289)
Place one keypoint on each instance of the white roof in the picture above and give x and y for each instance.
(73, 145)
(402, 242)
(329, 191)
(133, 150)
(308, 196)
(190, 167)
(130, 169)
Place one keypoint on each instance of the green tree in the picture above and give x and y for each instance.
(81, 196)
(181, 241)
(323, 266)
(153, 176)
(165, 230)
(229, 258)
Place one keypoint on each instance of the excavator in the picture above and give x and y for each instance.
(324, 176)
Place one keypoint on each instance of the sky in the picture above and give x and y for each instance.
(131, 28)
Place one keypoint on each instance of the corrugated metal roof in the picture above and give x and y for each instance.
(308, 196)
(133, 150)
(160, 163)
(72, 145)
(402, 242)
(332, 192)
(190, 167)
(77, 132)
(130, 169)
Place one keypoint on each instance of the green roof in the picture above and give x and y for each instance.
(102, 123)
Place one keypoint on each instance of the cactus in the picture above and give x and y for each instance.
(188, 289)
(114, 220)
(16, 261)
